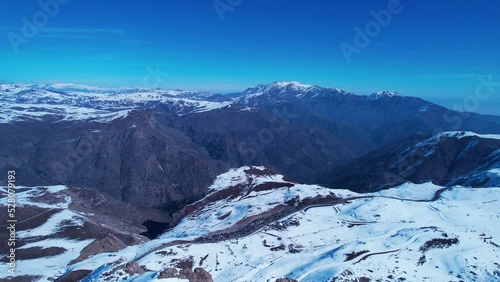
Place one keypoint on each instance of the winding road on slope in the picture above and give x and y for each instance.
(257, 224)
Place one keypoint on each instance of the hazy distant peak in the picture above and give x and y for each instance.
(290, 83)
(385, 93)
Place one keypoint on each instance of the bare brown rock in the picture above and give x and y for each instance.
(169, 273)
(134, 268)
(201, 275)
(186, 273)
(108, 243)
(285, 280)
(197, 275)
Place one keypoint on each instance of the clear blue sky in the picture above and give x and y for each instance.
(431, 49)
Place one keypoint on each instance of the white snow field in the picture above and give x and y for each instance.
(398, 234)
(393, 235)
(42, 235)
(67, 102)
(453, 239)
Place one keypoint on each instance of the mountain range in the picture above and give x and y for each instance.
(204, 168)
(95, 137)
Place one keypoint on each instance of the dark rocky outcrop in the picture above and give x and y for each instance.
(136, 159)
(133, 268)
(285, 280)
(108, 243)
(197, 275)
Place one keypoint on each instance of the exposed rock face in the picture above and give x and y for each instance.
(112, 212)
(285, 280)
(201, 275)
(133, 268)
(74, 276)
(135, 159)
(197, 275)
(449, 158)
(108, 243)
(290, 139)
(384, 116)
(166, 162)
(169, 273)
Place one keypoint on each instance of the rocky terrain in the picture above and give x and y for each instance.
(295, 232)
(163, 148)
(59, 225)
(447, 158)
(280, 182)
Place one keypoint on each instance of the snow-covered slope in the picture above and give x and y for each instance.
(484, 174)
(383, 94)
(463, 134)
(411, 232)
(284, 91)
(293, 90)
(79, 102)
(61, 218)
(57, 226)
(241, 194)
(376, 238)
(447, 158)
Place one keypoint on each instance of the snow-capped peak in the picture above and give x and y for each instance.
(285, 91)
(63, 101)
(72, 86)
(278, 85)
(462, 134)
(384, 93)
(290, 84)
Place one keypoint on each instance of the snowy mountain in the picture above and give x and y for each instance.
(59, 225)
(303, 131)
(133, 184)
(384, 113)
(385, 116)
(282, 91)
(75, 102)
(71, 102)
(447, 158)
(383, 94)
(255, 225)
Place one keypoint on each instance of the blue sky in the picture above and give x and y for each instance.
(431, 49)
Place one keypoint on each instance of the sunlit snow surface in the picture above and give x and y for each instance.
(210, 218)
(390, 235)
(63, 217)
(68, 102)
(374, 225)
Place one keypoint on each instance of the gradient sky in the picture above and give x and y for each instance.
(431, 49)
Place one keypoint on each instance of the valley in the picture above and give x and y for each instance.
(280, 181)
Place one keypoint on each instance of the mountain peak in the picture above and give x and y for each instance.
(463, 134)
(384, 93)
(283, 85)
(289, 83)
(278, 87)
